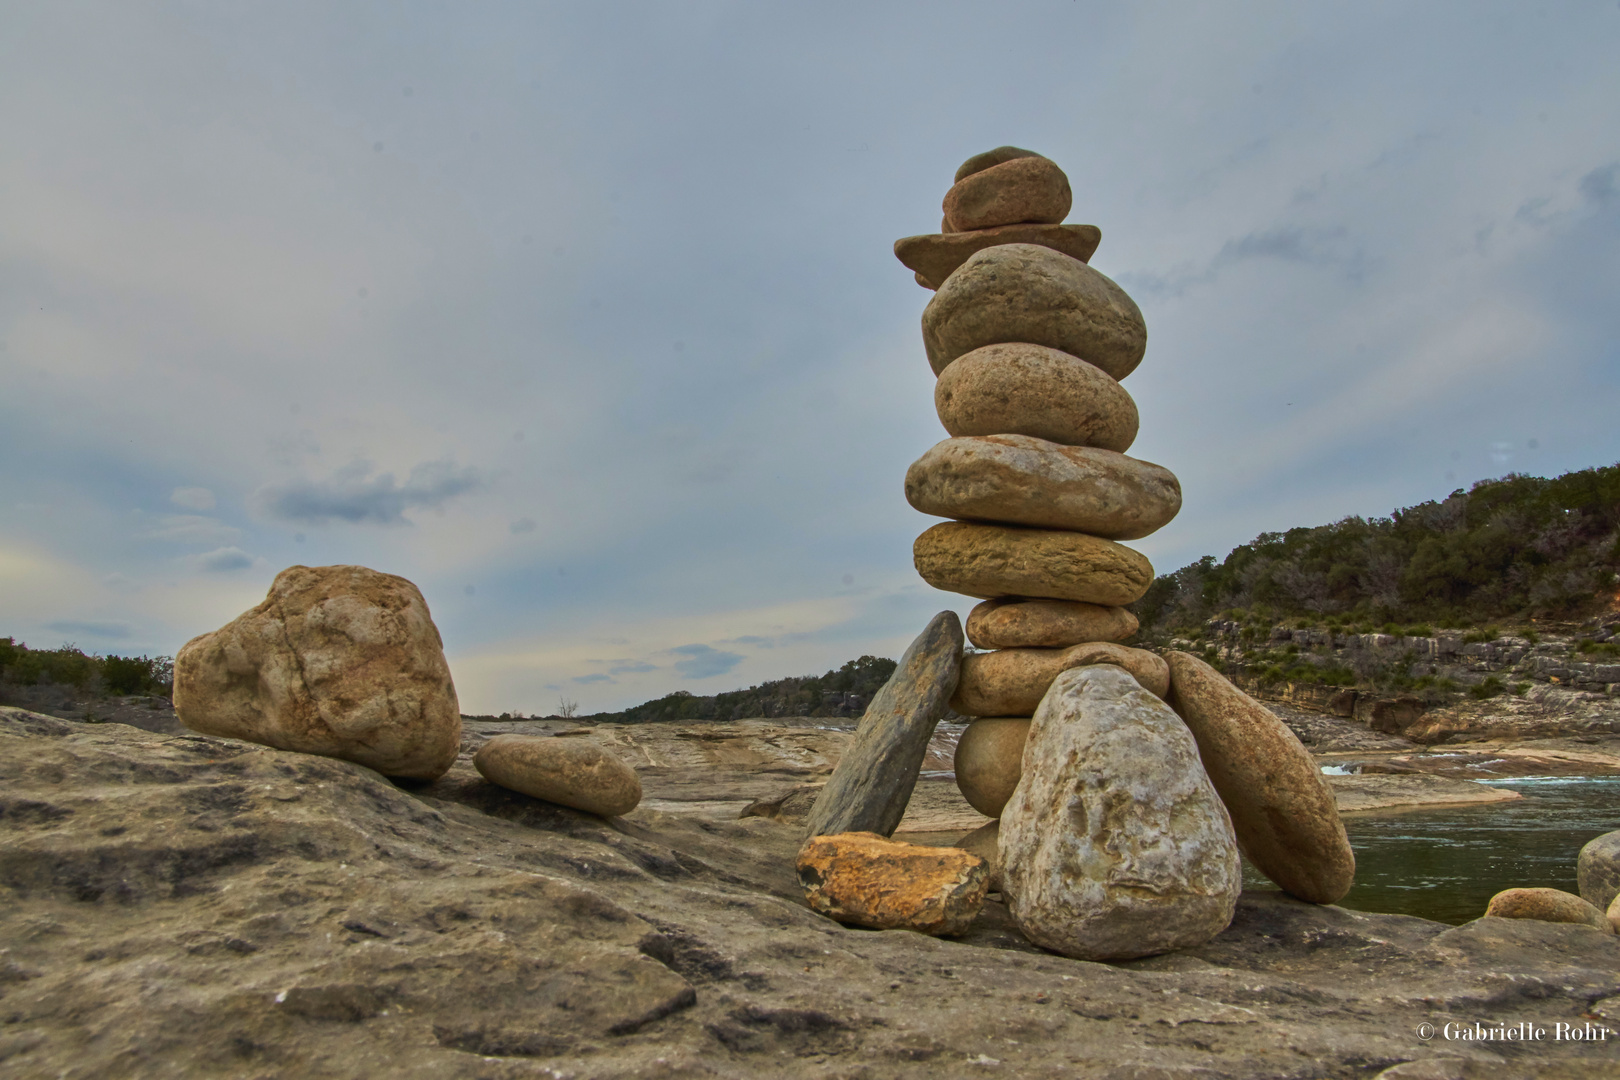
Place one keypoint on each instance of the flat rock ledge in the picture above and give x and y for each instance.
(192, 906)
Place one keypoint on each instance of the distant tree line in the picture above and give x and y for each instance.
(1519, 547)
(844, 691)
(71, 667)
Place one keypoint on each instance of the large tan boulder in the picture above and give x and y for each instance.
(569, 770)
(1597, 869)
(989, 761)
(935, 256)
(1115, 844)
(1024, 292)
(1008, 622)
(1011, 682)
(1282, 808)
(990, 159)
(1027, 189)
(1001, 560)
(339, 660)
(1547, 905)
(1021, 480)
(869, 880)
(1023, 389)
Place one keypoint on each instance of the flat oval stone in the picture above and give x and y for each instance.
(1022, 389)
(935, 256)
(1283, 810)
(1002, 560)
(1021, 480)
(1011, 682)
(1597, 870)
(1024, 292)
(989, 159)
(1011, 623)
(1115, 844)
(989, 761)
(569, 771)
(1027, 189)
(869, 880)
(1547, 905)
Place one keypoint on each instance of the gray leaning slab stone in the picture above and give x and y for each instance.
(872, 784)
(1598, 870)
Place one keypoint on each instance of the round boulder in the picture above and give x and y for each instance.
(1023, 389)
(1024, 292)
(1000, 560)
(1283, 810)
(1547, 905)
(989, 761)
(566, 770)
(341, 661)
(1022, 480)
(1012, 682)
(1027, 189)
(1010, 623)
(1598, 870)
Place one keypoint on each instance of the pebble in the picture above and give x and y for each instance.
(1021, 480)
(999, 560)
(568, 771)
(1022, 389)
(1024, 292)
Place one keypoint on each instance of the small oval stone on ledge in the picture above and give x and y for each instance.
(868, 880)
(1547, 905)
(570, 772)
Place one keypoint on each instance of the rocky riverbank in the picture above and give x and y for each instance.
(190, 906)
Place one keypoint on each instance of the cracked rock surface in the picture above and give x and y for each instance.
(188, 906)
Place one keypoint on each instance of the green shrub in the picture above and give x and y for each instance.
(1491, 687)
(1420, 630)
(1532, 637)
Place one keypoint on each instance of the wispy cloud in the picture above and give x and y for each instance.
(352, 494)
(704, 661)
(191, 529)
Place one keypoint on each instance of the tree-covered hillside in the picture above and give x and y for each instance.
(1519, 547)
(844, 691)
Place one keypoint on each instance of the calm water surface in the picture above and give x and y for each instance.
(1446, 864)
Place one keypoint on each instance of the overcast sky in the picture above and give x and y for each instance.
(586, 319)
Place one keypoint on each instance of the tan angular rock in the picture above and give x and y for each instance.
(985, 842)
(989, 761)
(1020, 480)
(1115, 844)
(1025, 190)
(1023, 389)
(989, 159)
(1000, 560)
(935, 256)
(1008, 622)
(1283, 810)
(341, 661)
(567, 770)
(869, 880)
(1547, 905)
(1011, 682)
(1024, 292)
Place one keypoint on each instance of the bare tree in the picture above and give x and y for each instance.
(567, 709)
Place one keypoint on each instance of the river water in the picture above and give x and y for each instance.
(1447, 863)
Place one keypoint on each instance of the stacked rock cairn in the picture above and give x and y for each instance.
(1124, 782)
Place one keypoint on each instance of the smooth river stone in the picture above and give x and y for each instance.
(1025, 190)
(566, 770)
(1597, 868)
(935, 256)
(1011, 682)
(1547, 905)
(989, 160)
(868, 880)
(1011, 623)
(1282, 808)
(1002, 560)
(1115, 844)
(1024, 292)
(989, 761)
(342, 661)
(1023, 389)
(985, 842)
(872, 783)
(1022, 480)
